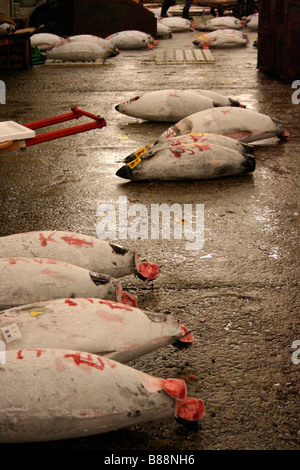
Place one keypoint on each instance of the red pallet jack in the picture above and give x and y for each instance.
(17, 131)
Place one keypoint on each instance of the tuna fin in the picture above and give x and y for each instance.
(99, 279)
(119, 250)
(217, 105)
(190, 410)
(249, 163)
(236, 103)
(249, 149)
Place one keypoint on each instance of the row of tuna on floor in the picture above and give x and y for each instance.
(210, 138)
(84, 47)
(68, 332)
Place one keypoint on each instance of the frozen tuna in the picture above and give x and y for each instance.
(163, 31)
(78, 51)
(44, 41)
(187, 139)
(85, 251)
(132, 39)
(28, 280)
(177, 24)
(242, 124)
(165, 105)
(51, 394)
(252, 22)
(105, 43)
(222, 38)
(98, 326)
(194, 161)
(220, 22)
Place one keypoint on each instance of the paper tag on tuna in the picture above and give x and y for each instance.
(11, 332)
(140, 152)
(134, 162)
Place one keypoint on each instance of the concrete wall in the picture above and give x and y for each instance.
(4, 7)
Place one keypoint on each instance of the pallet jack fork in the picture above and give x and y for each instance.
(15, 144)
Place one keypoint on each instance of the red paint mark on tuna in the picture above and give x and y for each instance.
(190, 409)
(15, 260)
(225, 111)
(73, 240)
(112, 317)
(174, 94)
(90, 300)
(115, 305)
(32, 260)
(202, 147)
(178, 152)
(71, 303)
(88, 361)
(19, 355)
(38, 352)
(44, 240)
(57, 275)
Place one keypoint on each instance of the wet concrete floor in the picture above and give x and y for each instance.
(238, 293)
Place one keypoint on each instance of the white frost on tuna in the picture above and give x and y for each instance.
(28, 280)
(202, 160)
(222, 38)
(165, 105)
(221, 22)
(51, 394)
(76, 248)
(99, 326)
(242, 124)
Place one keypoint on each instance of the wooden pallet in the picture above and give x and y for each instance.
(184, 56)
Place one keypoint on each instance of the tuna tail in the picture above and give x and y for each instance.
(125, 172)
(189, 411)
(249, 163)
(236, 103)
(282, 133)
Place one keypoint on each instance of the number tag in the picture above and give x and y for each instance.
(11, 332)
